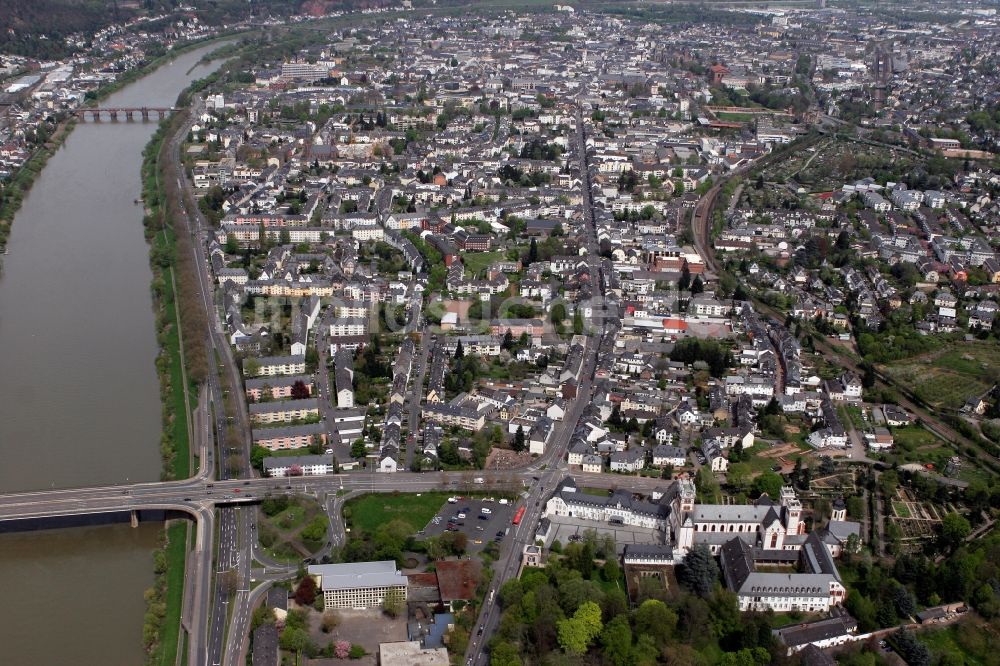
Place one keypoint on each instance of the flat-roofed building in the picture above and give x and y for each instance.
(410, 653)
(359, 585)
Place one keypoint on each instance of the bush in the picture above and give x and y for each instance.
(356, 651)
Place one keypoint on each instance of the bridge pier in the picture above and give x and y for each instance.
(134, 518)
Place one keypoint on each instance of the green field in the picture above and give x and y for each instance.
(176, 552)
(369, 512)
(967, 642)
(913, 437)
(477, 262)
(947, 377)
(730, 117)
(292, 527)
(901, 509)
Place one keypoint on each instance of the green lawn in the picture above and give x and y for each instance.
(367, 513)
(176, 553)
(965, 642)
(282, 533)
(946, 377)
(913, 437)
(600, 492)
(787, 619)
(182, 447)
(291, 517)
(730, 117)
(476, 262)
(286, 453)
(901, 509)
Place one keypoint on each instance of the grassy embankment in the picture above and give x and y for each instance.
(181, 365)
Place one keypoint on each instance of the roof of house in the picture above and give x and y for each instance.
(810, 632)
(457, 579)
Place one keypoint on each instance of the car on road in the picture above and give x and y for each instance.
(479, 480)
(478, 541)
(485, 511)
(461, 515)
(483, 517)
(479, 632)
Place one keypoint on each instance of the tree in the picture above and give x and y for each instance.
(251, 367)
(519, 439)
(459, 350)
(698, 286)
(770, 483)
(331, 619)
(578, 632)
(954, 529)
(738, 475)
(558, 314)
(611, 570)
(358, 449)
(299, 390)
(294, 639)
(655, 619)
(577, 322)
(616, 639)
(862, 609)
(228, 582)
(685, 280)
(257, 455)
(305, 593)
(533, 251)
(699, 572)
(505, 654)
(393, 603)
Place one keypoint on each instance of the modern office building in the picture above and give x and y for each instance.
(358, 585)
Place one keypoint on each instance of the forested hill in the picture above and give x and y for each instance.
(38, 28)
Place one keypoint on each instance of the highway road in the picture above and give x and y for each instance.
(235, 525)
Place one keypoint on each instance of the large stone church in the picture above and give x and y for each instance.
(801, 573)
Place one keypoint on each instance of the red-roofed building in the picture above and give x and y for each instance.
(457, 579)
(716, 72)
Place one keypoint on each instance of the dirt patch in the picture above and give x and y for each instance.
(506, 459)
(368, 628)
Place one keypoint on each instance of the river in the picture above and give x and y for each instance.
(80, 393)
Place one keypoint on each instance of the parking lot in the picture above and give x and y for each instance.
(476, 525)
(564, 529)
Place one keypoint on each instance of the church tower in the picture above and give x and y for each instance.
(793, 511)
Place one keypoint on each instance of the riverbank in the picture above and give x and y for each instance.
(161, 624)
(21, 182)
(181, 327)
